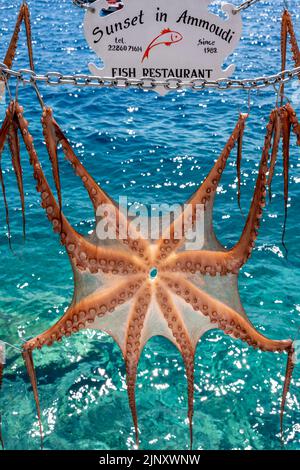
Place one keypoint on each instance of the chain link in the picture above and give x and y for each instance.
(147, 83)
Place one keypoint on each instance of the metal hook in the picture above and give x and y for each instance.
(249, 101)
(277, 91)
(11, 346)
(6, 84)
(38, 94)
(281, 95)
(287, 99)
(17, 87)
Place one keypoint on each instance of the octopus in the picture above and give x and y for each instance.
(133, 287)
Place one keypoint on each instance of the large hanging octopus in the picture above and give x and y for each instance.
(134, 288)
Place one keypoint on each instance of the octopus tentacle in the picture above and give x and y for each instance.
(5, 204)
(11, 51)
(23, 15)
(84, 313)
(288, 29)
(274, 154)
(51, 145)
(176, 325)
(54, 135)
(133, 347)
(5, 126)
(293, 40)
(14, 144)
(28, 34)
(294, 121)
(3, 136)
(244, 247)
(212, 262)
(287, 382)
(84, 254)
(28, 359)
(223, 316)
(233, 324)
(204, 195)
(286, 131)
(284, 32)
(239, 160)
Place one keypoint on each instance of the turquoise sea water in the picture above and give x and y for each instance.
(150, 149)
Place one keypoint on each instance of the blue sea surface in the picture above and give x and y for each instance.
(150, 149)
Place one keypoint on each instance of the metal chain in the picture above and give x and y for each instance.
(147, 83)
(244, 6)
(83, 4)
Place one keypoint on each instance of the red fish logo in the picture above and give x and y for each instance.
(166, 37)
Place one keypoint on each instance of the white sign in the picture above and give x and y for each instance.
(161, 39)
